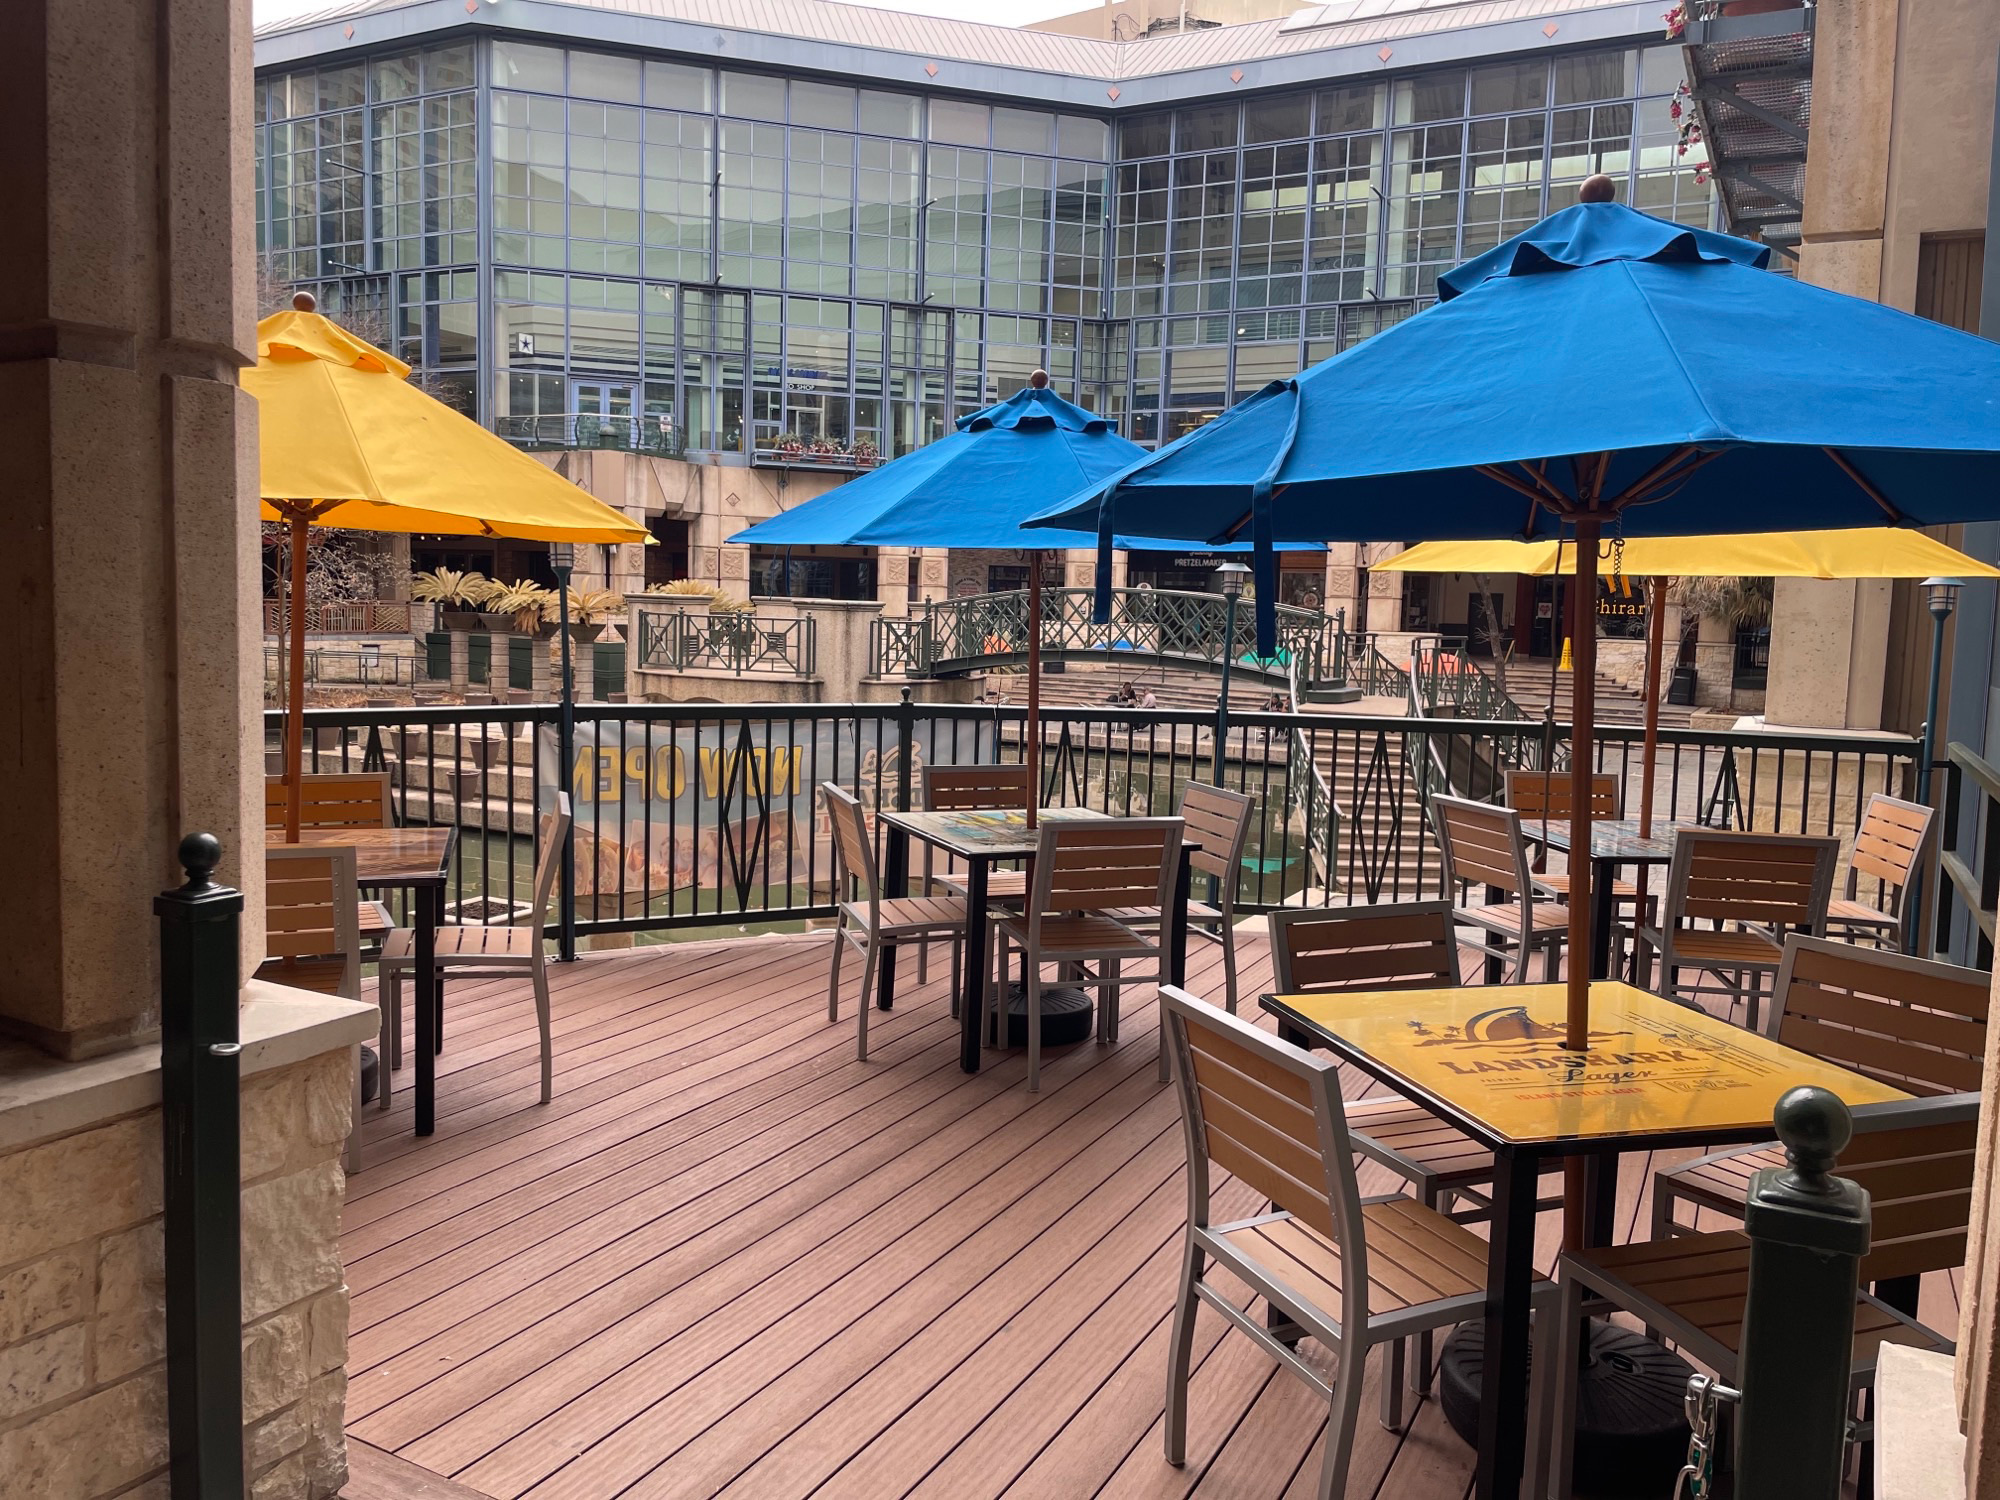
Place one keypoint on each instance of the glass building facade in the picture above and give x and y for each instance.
(738, 260)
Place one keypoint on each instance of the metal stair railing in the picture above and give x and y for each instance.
(1311, 795)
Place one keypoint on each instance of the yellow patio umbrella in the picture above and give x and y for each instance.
(1867, 552)
(346, 441)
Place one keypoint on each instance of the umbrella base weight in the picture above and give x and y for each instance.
(1631, 1436)
(1066, 1016)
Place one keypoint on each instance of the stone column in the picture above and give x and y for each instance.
(459, 644)
(131, 712)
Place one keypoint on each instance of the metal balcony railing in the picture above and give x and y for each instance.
(570, 430)
(738, 642)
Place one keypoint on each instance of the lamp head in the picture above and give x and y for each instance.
(1942, 596)
(1230, 577)
(562, 556)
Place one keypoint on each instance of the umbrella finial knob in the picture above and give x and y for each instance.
(304, 302)
(1039, 380)
(1598, 188)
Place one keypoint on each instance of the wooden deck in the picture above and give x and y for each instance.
(729, 1259)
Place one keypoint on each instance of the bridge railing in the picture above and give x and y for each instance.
(740, 642)
(953, 636)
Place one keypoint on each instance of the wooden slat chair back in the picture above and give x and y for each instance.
(550, 826)
(1087, 873)
(1272, 1116)
(1401, 947)
(1913, 1023)
(1772, 880)
(1349, 1272)
(1098, 865)
(311, 936)
(1888, 849)
(981, 788)
(1770, 884)
(1919, 1179)
(334, 799)
(866, 920)
(1538, 794)
(1218, 820)
(854, 851)
(1482, 845)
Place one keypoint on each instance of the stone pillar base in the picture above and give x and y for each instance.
(83, 1301)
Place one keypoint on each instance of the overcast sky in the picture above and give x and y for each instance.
(1000, 12)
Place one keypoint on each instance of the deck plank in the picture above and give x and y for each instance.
(730, 1259)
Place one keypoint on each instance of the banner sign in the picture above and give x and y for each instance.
(731, 805)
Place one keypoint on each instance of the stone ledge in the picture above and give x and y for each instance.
(1919, 1451)
(43, 1096)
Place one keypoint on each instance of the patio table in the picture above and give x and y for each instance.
(415, 860)
(980, 838)
(1613, 842)
(1489, 1061)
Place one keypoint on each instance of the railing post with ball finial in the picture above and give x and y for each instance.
(202, 1140)
(1808, 1230)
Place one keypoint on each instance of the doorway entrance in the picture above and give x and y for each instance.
(604, 412)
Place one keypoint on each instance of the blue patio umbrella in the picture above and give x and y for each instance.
(974, 488)
(1605, 370)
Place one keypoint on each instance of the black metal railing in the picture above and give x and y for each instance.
(365, 668)
(698, 816)
(740, 642)
(564, 430)
(1969, 858)
(955, 636)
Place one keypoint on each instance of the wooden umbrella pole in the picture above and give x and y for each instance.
(1656, 641)
(295, 716)
(1034, 746)
(1582, 740)
(1583, 711)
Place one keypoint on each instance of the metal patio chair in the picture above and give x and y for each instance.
(865, 920)
(1218, 820)
(1755, 888)
(1888, 848)
(489, 951)
(1482, 845)
(1349, 1271)
(1084, 871)
(1914, 1023)
(1407, 946)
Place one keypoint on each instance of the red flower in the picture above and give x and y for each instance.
(1674, 110)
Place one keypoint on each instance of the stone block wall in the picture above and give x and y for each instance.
(83, 1298)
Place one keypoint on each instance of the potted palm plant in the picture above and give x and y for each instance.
(590, 610)
(528, 607)
(459, 595)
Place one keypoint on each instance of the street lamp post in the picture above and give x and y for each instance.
(562, 560)
(1942, 596)
(1230, 578)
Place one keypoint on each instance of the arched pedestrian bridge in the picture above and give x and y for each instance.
(984, 631)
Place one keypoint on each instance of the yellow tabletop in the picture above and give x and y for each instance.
(1494, 1055)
